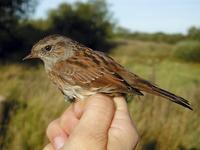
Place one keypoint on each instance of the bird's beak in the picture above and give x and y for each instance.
(30, 56)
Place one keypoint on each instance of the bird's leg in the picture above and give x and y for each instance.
(129, 97)
(66, 98)
(69, 99)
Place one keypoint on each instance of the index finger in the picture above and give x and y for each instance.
(70, 118)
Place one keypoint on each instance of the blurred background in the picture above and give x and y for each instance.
(159, 40)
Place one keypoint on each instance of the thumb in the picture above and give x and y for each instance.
(94, 124)
(123, 133)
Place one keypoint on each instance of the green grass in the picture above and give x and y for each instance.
(162, 125)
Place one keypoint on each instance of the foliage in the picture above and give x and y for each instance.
(11, 11)
(121, 31)
(194, 33)
(87, 22)
(156, 37)
(188, 51)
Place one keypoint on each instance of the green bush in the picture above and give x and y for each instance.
(188, 51)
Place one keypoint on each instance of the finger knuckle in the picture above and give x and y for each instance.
(63, 120)
(51, 127)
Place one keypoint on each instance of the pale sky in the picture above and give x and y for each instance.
(171, 16)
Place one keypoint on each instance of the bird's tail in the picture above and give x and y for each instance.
(148, 87)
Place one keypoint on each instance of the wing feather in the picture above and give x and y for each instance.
(92, 73)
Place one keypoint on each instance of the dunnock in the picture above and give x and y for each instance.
(78, 71)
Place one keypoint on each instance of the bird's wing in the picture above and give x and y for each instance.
(142, 84)
(90, 71)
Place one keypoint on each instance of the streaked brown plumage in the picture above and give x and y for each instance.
(78, 71)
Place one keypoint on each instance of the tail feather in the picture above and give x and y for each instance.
(148, 87)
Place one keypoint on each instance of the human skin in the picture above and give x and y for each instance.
(98, 123)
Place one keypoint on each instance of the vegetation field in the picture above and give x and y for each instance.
(34, 101)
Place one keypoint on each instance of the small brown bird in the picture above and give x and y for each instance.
(79, 72)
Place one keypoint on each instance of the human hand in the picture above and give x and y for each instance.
(98, 123)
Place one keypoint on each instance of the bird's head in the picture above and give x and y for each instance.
(51, 49)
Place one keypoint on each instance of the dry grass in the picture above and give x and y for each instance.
(162, 125)
(37, 103)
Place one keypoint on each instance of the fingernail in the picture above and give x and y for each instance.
(59, 142)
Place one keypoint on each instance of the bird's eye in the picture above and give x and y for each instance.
(48, 47)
